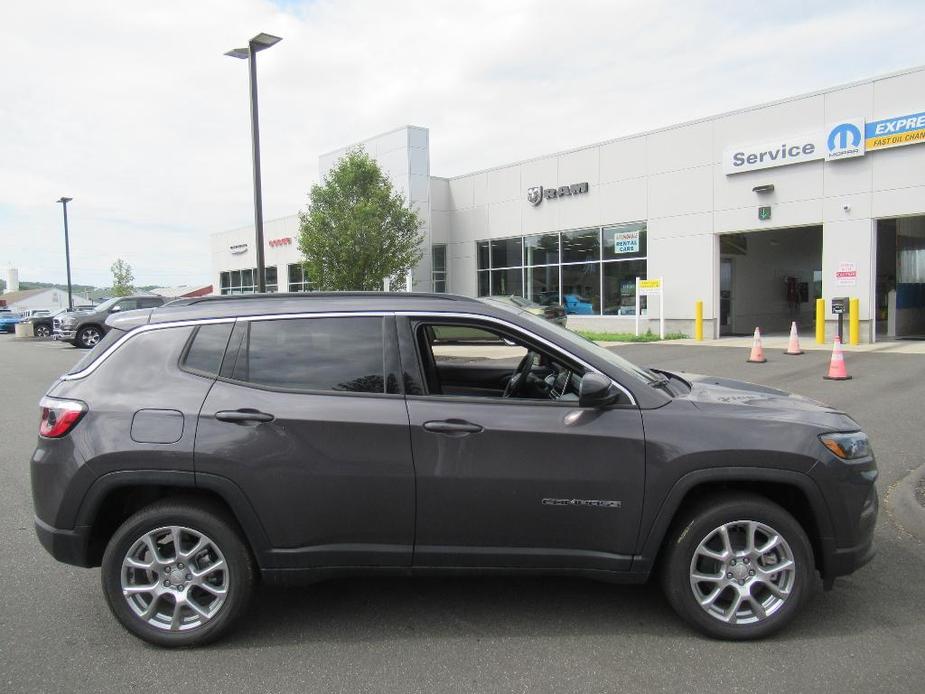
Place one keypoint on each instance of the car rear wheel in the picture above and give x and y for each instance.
(739, 567)
(42, 331)
(178, 574)
(89, 337)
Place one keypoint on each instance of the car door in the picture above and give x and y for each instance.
(520, 482)
(306, 419)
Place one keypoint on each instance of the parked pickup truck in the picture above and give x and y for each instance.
(85, 329)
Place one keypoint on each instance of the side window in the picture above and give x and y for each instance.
(128, 304)
(336, 354)
(206, 349)
(150, 303)
(468, 360)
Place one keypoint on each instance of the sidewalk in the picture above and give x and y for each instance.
(779, 342)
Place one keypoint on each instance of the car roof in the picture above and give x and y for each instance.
(311, 302)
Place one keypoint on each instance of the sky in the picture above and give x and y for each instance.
(132, 109)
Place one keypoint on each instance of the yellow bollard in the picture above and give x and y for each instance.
(820, 321)
(854, 321)
(698, 321)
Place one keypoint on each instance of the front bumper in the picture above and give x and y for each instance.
(67, 546)
(62, 334)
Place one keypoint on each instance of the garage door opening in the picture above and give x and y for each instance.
(901, 278)
(769, 279)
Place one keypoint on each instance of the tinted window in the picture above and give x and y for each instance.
(208, 346)
(340, 354)
(128, 304)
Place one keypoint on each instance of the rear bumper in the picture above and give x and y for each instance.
(67, 546)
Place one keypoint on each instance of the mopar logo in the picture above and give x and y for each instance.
(537, 194)
(845, 139)
(841, 133)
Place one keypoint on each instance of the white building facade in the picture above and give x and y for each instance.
(756, 213)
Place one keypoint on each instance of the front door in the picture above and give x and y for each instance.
(301, 421)
(527, 480)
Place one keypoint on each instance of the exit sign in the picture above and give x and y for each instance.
(764, 212)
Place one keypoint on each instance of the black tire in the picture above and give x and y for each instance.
(206, 518)
(42, 331)
(85, 334)
(696, 526)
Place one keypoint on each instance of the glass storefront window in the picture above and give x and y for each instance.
(438, 270)
(624, 242)
(507, 253)
(542, 284)
(589, 271)
(581, 246)
(482, 251)
(507, 282)
(484, 283)
(298, 282)
(542, 249)
(245, 281)
(581, 289)
(620, 287)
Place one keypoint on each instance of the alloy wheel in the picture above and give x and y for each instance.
(42, 331)
(742, 572)
(175, 578)
(90, 337)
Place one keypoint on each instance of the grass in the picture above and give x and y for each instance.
(647, 336)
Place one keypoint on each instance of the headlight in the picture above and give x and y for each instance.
(847, 446)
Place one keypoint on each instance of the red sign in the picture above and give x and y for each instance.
(286, 241)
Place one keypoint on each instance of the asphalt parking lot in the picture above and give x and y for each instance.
(486, 635)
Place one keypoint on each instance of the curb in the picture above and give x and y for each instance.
(904, 507)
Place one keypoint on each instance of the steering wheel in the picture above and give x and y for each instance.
(519, 377)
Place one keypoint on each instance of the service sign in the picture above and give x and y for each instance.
(647, 287)
(787, 150)
(626, 242)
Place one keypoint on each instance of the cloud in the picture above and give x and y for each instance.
(132, 108)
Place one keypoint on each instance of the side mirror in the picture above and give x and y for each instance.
(596, 391)
(115, 309)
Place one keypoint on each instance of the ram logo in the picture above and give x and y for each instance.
(537, 194)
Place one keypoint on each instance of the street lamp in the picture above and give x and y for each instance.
(67, 253)
(254, 46)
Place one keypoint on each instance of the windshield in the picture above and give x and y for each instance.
(569, 337)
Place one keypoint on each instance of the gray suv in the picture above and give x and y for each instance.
(85, 329)
(220, 441)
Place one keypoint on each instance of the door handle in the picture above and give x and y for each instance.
(453, 427)
(243, 416)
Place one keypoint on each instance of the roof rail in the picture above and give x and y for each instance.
(319, 295)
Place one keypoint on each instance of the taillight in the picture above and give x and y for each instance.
(59, 416)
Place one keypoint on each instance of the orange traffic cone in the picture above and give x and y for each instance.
(794, 347)
(837, 370)
(757, 353)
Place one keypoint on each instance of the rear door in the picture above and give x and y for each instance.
(307, 420)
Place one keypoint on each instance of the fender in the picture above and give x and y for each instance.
(643, 562)
(227, 490)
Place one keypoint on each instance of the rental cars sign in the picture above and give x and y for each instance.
(842, 140)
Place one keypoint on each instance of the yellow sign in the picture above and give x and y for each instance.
(650, 284)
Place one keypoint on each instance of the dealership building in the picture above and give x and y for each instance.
(756, 213)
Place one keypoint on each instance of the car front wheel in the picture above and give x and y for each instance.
(738, 567)
(42, 331)
(89, 337)
(178, 574)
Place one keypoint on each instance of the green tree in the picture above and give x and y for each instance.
(122, 278)
(357, 230)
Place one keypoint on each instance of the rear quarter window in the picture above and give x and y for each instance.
(204, 353)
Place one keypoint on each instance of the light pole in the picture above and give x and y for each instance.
(67, 253)
(254, 46)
